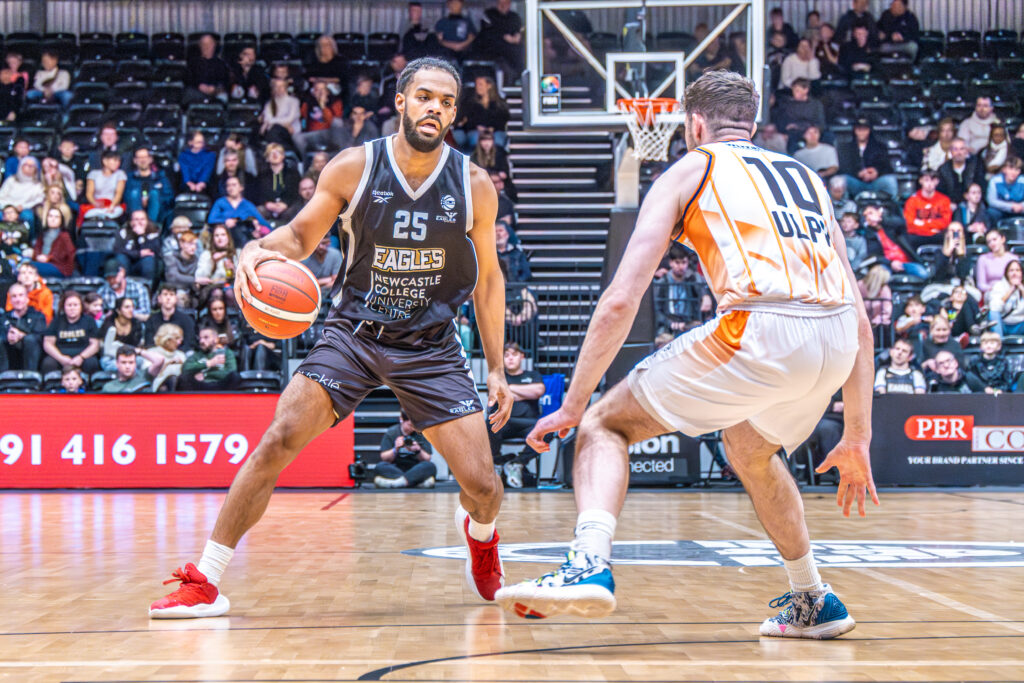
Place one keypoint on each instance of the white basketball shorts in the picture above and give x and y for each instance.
(777, 371)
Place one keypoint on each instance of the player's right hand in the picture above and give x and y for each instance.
(560, 421)
(252, 255)
(853, 461)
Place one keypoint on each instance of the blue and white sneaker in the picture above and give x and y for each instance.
(814, 614)
(582, 586)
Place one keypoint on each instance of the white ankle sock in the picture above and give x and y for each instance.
(595, 529)
(481, 532)
(214, 561)
(803, 573)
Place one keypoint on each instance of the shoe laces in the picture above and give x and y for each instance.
(487, 561)
(781, 601)
(188, 586)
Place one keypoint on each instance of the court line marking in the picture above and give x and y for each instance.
(522, 623)
(758, 533)
(940, 598)
(335, 501)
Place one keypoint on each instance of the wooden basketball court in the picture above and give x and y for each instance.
(321, 590)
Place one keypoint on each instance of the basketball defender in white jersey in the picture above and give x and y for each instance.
(791, 329)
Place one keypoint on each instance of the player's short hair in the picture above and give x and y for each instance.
(423, 63)
(723, 98)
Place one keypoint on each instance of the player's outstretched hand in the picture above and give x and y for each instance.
(561, 421)
(252, 254)
(498, 394)
(854, 464)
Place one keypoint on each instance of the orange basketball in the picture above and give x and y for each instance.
(289, 302)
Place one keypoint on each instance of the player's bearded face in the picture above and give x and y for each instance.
(420, 142)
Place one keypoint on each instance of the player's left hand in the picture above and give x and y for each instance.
(854, 464)
(498, 394)
(561, 421)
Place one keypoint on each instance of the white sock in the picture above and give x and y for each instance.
(481, 532)
(214, 561)
(595, 529)
(803, 574)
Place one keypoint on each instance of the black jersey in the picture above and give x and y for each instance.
(409, 263)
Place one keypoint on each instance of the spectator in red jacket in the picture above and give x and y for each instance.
(927, 212)
(54, 252)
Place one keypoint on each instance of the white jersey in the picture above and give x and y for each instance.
(761, 224)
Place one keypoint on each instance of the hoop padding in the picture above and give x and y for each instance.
(651, 133)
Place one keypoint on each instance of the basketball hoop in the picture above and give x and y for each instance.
(651, 132)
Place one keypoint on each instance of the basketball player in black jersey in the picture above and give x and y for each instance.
(417, 231)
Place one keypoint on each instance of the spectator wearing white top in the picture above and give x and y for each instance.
(976, 128)
(800, 64)
(104, 188)
(281, 115)
(820, 156)
(50, 82)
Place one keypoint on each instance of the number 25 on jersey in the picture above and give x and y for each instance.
(417, 221)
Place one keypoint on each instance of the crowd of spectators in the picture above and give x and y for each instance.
(922, 157)
(132, 212)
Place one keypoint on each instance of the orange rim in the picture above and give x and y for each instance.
(647, 109)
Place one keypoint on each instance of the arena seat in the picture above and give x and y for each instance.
(20, 381)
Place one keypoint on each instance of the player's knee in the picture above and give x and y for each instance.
(594, 426)
(482, 488)
(278, 447)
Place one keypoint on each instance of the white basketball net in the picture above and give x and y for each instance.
(651, 133)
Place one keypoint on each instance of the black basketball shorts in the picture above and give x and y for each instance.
(433, 383)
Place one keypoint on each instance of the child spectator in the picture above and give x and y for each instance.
(147, 187)
(1005, 191)
(94, 309)
(71, 381)
(898, 377)
(138, 245)
(914, 322)
(53, 252)
(71, 339)
(971, 214)
(962, 312)
(39, 295)
(196, 163)
(992, 368)
(995, 152)
(1006, 302)
(181, 265)
(14, 235)
(856, 245)
(212, 368)
(118, 330)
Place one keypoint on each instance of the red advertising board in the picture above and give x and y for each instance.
(146, 441)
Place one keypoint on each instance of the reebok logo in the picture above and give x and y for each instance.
(382, 196)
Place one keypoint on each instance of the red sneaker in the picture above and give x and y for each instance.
(195, 597)
(484, 572)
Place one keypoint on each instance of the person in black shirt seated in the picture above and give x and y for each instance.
(501, 37)
(168, 313)
(494, 159)
(418, 40)
(209, 75)
(278, 184)
(517, 263)
(527, 388)
(248, 79)
(482, 110)
(328, 67)
(404, 458)
(949, 379)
